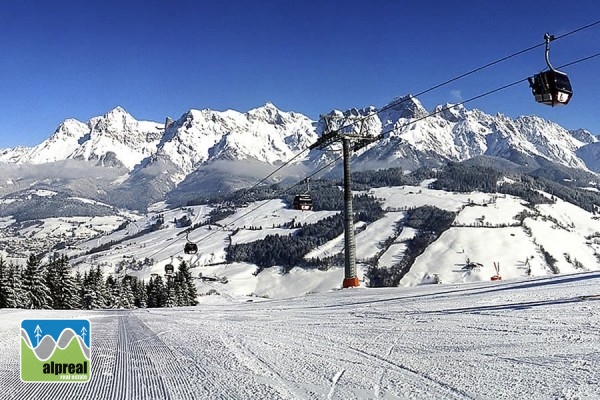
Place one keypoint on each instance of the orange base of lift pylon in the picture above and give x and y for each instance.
(350, 282)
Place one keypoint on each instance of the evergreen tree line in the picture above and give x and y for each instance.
(288, 251)
(365, 180)
(53, 286)
(56, 206)
(326, 193)
(460, 177)
(431, 222)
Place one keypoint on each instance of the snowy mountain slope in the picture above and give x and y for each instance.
(453, 133)
(192, 152)
(265, 134)
(529, 338)
(488, 228)
(113, 139)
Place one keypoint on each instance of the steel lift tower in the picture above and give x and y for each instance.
(357, 141)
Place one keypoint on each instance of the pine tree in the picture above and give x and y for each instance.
(60, 283)
(14, 290)
(189, 293)
(35, 291)
(170, 293)
(78, 281)
(127, 299)
(93, 293)
(3, 283)
(139, 293)
(156, 291)
(120, 292)
(112, 292)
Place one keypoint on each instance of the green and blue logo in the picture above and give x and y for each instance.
(55, 350)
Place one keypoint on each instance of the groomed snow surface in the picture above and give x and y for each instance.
(534, 338)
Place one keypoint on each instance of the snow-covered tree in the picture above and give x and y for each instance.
(156, 292)
(139, 293)
(188, 292)
(61, 284)
(13, 289)
(3, 282)
(93, 293)
(35, 292)
(78, 281)
(120, 293)
(171, 294)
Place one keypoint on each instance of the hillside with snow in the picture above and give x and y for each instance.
(526, 240)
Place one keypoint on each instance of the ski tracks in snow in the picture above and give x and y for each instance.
(261, 369)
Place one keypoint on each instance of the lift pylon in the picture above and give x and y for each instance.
(360, 140)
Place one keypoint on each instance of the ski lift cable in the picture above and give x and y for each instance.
(471, 72)
(437, 86)
(580, 60)
(380, 136)
(449, 107)
(252, 210)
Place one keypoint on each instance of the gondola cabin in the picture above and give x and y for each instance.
(169, 269)
(303, 202)
(190, 248)
(551, 87)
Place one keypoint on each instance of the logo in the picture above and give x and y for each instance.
(55, 350)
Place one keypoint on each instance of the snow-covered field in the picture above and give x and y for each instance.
(487, 230)
(533, 339)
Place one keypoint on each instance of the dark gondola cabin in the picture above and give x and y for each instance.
(303, 202)
(169, 269)
(551, 87)
(190, 248)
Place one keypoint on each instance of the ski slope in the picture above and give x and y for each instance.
(534, 339)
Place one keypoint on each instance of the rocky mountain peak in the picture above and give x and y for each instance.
(405, 107)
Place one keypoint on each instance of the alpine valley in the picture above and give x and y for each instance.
(443, 196)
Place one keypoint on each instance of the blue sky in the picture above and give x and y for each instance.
(78, 59)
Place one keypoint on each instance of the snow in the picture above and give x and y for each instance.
(449, 254)
(6, 221)
(266, 214)
(411, 196)
(528, 338)
(485, 227)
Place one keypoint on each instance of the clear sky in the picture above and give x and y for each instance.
(78, 59)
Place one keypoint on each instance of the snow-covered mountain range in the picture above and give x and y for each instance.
(265, 134)
(414, 137)
(270, 135)
(201, 151)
